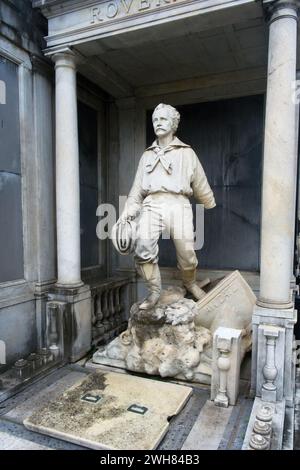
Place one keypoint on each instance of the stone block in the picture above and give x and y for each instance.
(229, 302)
(78, 321)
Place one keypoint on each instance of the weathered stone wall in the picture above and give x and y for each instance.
(22, 25)
(28, 165)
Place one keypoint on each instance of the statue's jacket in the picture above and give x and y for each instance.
(174, 169)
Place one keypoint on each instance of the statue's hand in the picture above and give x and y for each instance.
(127, 215)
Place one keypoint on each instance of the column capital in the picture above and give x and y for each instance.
(277, 9)
(65, 57)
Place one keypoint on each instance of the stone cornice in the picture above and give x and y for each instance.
(74, 21)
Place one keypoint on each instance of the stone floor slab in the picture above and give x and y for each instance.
(96, 412)
(209, 428)
(33, 400)
(15, 437)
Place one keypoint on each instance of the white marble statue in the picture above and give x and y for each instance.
(168, 334)
(169, 173)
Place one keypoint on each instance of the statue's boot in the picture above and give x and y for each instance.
(151, 275)
(189, 282)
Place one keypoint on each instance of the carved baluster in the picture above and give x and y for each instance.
(53, 328)
(223, 366)
(121, 302)
(113, 320)
(94, 309)
(99, 316)
(118, 305)
(99, 313)
(105, 310)
(270, 370)
(118, 309)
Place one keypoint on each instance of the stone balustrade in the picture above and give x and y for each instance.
(109, 300)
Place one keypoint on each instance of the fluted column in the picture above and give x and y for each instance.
(67, 172)
(279, 178)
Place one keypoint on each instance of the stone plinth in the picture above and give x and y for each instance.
(74, 320)
(162, 341)
(280, 355)
(174, 339)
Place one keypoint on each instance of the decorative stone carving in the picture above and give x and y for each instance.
(270, 370)
(284, 322)
(266, 426)
(228, 303)
(258, 442)
(171, 341)
(262, 428)
(271, 357)
(55, 326)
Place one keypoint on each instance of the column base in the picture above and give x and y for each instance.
(75, 285)
(268, 395)
(78, 319)
(265, 303)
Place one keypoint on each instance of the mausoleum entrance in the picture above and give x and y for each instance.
(212, 67)
(210, 59)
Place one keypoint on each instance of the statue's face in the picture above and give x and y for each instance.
(162, 123)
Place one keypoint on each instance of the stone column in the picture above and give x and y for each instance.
(278, 217)
(275, 307)
(67, 172)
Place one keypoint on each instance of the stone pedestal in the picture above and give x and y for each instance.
(162, 341)
(175, 338)
(77, 321)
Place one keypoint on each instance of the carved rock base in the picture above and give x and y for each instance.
(162, 341)
(169, 340)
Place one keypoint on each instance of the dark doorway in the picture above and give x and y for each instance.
(88, 161)
(227, 136)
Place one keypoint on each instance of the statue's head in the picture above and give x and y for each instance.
(165, 120)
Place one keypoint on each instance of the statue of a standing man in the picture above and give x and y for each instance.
(169, 173)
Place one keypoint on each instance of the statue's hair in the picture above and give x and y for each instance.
(173, 113)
